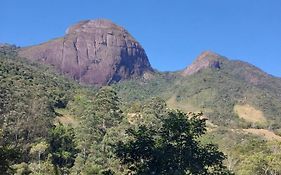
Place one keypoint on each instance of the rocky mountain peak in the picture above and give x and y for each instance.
(207, 55)
(92, 26)
(204, 60)
(93, 52)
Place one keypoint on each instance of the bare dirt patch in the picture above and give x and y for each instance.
(65, 118)
(249, 113)
(185, 107)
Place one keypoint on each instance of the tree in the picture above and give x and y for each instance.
(154, 110)
(4, 94)
(7, 156)
(264, 160)
(38, 150)
(94, 133)
(62, 147)
(173, 149)
(106, 107)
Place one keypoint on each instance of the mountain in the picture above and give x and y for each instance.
(225, 85)
(204, 60)
(43, 113)
(29, 93)
(246, 71)
(93, 52)
(228, 92)
(100, 52)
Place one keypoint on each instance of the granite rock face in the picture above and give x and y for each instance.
(204, 60)
(93, 52)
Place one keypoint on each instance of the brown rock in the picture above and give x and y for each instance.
(93, 52)
(204, 60)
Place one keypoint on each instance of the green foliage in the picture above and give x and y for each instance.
(21, 169)
(28, 94)
(44, 168)
(97, 130)
(212, 91)
(150, 113)
(266, 160)
(38, 150)
(7, 49)
(246, 153)
(160, 85)
(7, 156)
(174, 149)
(82, 101)
(62, 147)
(107, 108)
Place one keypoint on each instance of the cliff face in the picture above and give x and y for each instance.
(93, 52)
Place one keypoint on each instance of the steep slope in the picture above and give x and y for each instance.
(216, 86)
(33, 97)
(29, 93)
(93, 52)
(219, 89)
(237, 68)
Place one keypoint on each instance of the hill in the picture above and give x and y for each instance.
(29, 94)
(216, 86)
(58, 126)
(93, 52)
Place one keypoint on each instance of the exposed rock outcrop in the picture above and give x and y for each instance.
(204, 60)
(93, 52)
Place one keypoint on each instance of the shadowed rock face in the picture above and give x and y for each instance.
(93, 52)
(204, 60)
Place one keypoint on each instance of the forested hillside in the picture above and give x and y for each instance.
(53, 125)
(29, 95)
(50, 125)
(217, 92)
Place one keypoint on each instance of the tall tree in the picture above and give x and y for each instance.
(95, 131)
(172, 150)
(62, 147)
(107, 107)
(8, 156)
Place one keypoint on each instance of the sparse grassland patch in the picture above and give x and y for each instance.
(268, 135)
(249, 113)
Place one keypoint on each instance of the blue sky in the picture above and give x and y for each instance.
(173, 32)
